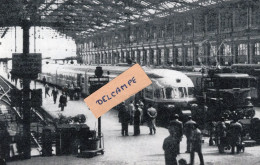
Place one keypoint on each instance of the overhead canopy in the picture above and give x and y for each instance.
(86, 18)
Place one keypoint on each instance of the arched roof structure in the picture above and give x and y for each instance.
(81, 19)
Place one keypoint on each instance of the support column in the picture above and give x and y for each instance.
(133, 54)
(127, 55)
(138, 60)
(105, 59)
(113, 54)
(26, 96)
(118, 56)
(165, 55)
(144, 56)
(121, 56)
(151, 56)
(109, 58)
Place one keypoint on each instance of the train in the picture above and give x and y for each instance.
(223, 93)
(171, 92)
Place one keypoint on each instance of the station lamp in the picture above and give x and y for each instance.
(99, 71)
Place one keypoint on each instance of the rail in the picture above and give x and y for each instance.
(5, 94)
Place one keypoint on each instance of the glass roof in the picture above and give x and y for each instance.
(78, 18)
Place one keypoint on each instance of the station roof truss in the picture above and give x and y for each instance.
(83, 19)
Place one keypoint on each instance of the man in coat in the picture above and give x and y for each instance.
(170, 148)
(54, 94)
(152, 114)
(63, 101)
(188, 128)
(177, 124)
(196, 140)
(235, 133)
(137, 119)
(221, 134)
(124, 117)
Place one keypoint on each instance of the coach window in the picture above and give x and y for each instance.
(157, 93)
(168, 93)
(149, 92)
(191, 91)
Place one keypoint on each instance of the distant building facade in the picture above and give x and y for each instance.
(226, 32)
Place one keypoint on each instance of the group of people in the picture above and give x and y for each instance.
(171, 144)
(133, 114)
(228, 135)
(54, 94)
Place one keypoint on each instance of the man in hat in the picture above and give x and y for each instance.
(188, 127)
(221, 134)
(124, 118)
(177, 124)
(137, 114)
(170, 148)
(235, 131)
(152, 114)
(196, 139)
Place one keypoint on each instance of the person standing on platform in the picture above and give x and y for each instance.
(63, 101)
(44, 80)
(221, 134)
(170, 148)
(137, 114)
(178, 127)
(141, 106)
(196, 140)
(47, 88)
(188, 127)
(235, 133)
(131, 109)
(54, 93)
(152, 114)
(124, 118)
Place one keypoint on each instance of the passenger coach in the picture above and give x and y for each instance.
(171, 91)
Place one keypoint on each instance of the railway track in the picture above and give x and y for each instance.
(42, 116)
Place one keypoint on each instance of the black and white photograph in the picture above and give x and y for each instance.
(130, 82)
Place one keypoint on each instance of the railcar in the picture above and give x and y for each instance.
(252, 70)
(224, 94)
(171, 91)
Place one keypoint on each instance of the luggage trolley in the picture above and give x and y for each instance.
(94, 146)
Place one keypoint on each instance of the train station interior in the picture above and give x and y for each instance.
(65, 43)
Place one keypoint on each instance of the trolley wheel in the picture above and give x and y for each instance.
(102, 152)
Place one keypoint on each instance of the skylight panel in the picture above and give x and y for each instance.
(96, 1)
(144, 3)
(151, 11)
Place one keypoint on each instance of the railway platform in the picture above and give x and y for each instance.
(133, 150)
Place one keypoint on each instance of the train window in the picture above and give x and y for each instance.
(181, 92)
(191, 91)
(162, 91)
(168, 93)
(157, 93)
(149, 92)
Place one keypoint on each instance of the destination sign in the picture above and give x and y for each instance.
(26, 66)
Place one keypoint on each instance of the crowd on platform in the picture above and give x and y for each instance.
(225, 136)
(69, 90)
